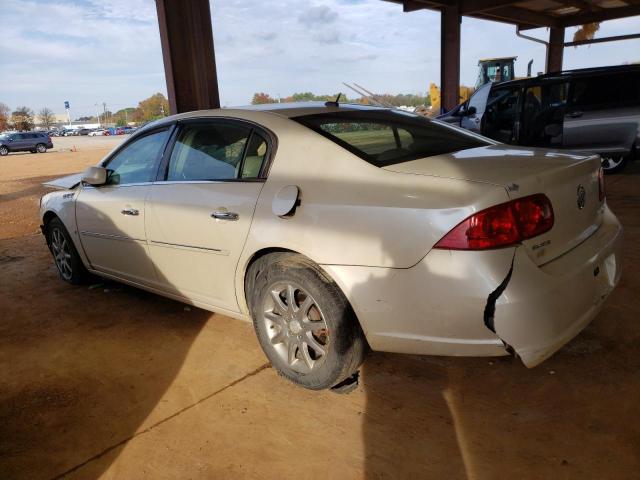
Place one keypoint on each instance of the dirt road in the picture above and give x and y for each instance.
(108, 381)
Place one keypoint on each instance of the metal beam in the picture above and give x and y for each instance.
(450, 20)
(616, 38)
(601, 15)
(522, 16)
(555, 50)
(187, 51)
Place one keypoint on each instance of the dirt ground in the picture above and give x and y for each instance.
(106, 381)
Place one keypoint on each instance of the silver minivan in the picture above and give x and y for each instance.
(593, 110)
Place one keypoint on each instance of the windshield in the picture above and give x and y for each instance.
(387, 137)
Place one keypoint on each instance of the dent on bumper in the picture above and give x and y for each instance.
(484, 303)
(543, 308)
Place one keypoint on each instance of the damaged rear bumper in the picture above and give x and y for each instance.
(543, 308)
(484, 303)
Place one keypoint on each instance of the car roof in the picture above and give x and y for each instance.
(578, 72)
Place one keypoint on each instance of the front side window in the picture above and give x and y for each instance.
(387, 137)
(138, 161)
(216, 151)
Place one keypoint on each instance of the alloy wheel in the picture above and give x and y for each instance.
(296, 327)
(611, 162)
(4, 151)
(61, 253)
(41, 148)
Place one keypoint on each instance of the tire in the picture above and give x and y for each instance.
(65, 256)
(315, 341)
(4, 151)
(41, 148)
(614, 164)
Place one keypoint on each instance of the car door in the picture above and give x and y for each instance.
(199, 214)
(601, 113)
(478, 101)
(19, 142)
(111, 217)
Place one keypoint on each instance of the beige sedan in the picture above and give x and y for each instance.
(338, 228)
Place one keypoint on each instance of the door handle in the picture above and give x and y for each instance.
(574, 114)
(225, 215)
(129, 211)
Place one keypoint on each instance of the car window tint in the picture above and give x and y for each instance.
(602, 91)
(386, 137)
(138, 161)
(254, 158)
(208, 152)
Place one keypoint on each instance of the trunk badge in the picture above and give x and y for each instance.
(582, 197)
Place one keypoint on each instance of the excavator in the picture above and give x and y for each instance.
(489, 70)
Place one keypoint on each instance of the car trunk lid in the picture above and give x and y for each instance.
(569, 181)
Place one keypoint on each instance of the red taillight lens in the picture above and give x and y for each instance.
(502, 225)
(601, 191)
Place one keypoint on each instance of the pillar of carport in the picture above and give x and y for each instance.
(555, 49)
(187, 51)
(449, 57)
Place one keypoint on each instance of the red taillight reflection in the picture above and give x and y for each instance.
(502, 225)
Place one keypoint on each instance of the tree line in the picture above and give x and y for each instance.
(24, 118)
(409, 99)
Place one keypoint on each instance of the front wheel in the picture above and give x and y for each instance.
(304, 323)
(4, 151)
(41, 148)
(65, 255)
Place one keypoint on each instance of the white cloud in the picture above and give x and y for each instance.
(92, 51)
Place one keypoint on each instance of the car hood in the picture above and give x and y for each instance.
(64, 183)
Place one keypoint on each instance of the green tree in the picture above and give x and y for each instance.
(22, 119)
(4, 117)
(262, 98)
(124, 116)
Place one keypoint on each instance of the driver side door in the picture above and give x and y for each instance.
(478, 100)
(111, 217)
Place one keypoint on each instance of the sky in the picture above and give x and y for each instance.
(95, 51)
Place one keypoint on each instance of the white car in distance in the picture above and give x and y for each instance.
(338, 228)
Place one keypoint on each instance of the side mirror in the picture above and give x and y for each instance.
(95, 176)
(470, 111)
(552, 130)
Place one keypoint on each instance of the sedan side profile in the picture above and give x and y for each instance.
(339, 228)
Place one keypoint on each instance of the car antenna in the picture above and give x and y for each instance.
(334, 103)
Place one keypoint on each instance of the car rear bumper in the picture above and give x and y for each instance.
(542, 308)
(450, 302)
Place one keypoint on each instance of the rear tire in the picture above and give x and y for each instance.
(65, 256)
(41, 148)
(4, 151)
(303, 322)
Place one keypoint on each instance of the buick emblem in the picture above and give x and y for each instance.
(582, 196)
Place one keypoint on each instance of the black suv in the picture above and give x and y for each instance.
(25, 142)
(592, 110)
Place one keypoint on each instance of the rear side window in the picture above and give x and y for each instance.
(387, 137)
(605, 91)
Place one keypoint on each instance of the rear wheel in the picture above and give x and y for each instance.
(4, 151)
(41, 148)
(304, 323)
(614, 163)
(65, 255)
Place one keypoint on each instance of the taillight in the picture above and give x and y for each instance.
(502, 225)
(601, 191)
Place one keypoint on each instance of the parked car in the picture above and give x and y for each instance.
(339, 228)
(97, 132)
(120, 131)
(70, 133)
(85, 131)
(128, 130)
(593, 110)
(24, 142)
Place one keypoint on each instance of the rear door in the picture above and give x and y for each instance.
(199, 213)
(602, 113)
(479, 101)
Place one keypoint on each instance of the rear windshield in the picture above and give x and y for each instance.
(387, 137)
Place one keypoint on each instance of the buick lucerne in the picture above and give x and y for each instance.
(339, 228)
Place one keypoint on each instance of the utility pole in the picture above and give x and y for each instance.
(104, 112)
(98, 114)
